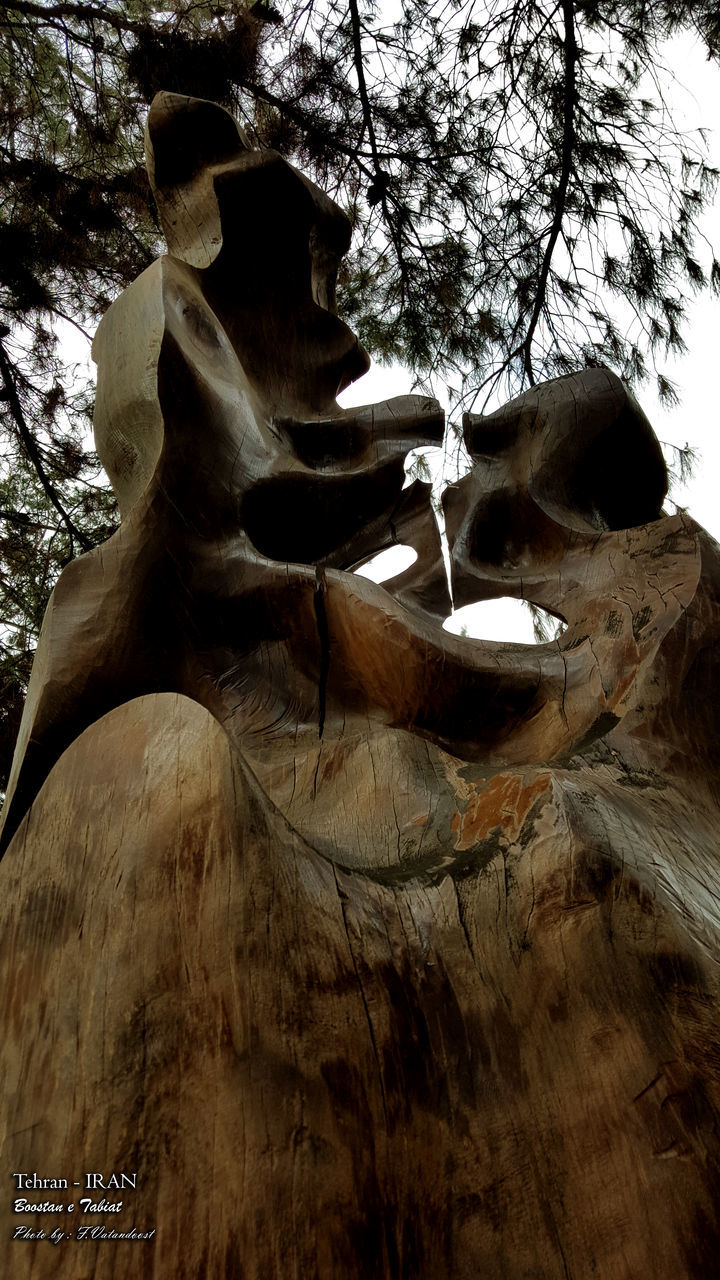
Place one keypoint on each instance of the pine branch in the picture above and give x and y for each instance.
(305, 121)
(381, 178)
(362, 86)
(33, 452)
(570, 56)
(85, 13)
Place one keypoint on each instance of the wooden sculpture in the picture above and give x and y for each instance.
(335, 945)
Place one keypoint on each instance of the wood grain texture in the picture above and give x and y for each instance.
(377, 952)
(504, 1068)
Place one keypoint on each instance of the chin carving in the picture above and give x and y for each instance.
(427, 928)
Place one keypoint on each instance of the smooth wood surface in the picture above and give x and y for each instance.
(375, 952)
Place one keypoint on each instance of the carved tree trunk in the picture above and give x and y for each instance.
(359, 949)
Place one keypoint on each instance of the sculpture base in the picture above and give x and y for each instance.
(513, 1072)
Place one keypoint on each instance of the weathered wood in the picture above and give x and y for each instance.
(373, 951)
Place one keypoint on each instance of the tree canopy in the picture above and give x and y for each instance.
(523, 201)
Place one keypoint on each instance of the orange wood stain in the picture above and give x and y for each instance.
(502, 803)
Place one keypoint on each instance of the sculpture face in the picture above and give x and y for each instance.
(269, 244)
(248, 497)
(546, 476)
(545, 485)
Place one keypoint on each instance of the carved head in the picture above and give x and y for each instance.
(564, 462)
(268, 243)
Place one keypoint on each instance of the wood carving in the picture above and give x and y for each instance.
(370, 951)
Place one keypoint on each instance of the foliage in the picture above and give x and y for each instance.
(523, 202)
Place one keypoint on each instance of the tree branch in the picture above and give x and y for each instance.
(570, 55)
(33, 451)
(381, 178)
(362, 84)
(301, 118)
(85, 12)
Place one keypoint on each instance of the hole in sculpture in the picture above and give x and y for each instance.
(426, 463)
(387, 563)
(505, 619)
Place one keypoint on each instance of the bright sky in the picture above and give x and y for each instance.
(695, 421)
